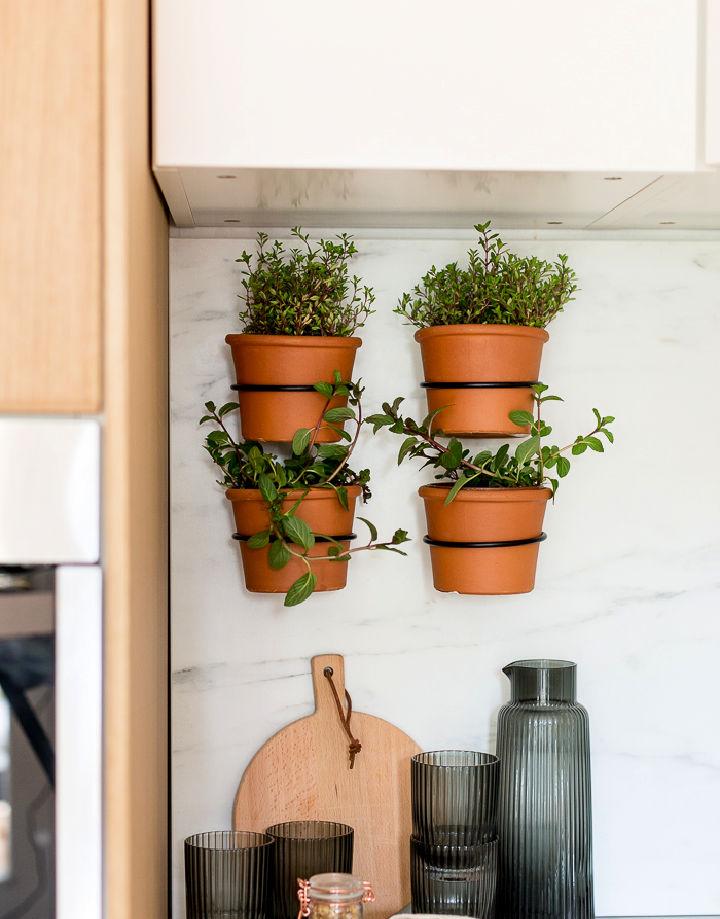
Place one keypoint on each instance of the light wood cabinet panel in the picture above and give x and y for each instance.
(50, 195)
(135, 521)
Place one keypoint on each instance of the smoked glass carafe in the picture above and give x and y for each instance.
(544, 817)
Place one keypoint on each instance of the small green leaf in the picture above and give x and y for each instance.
(406, 446)
(342, 496)
(500, 457)
(324, 388)
(526, 448)
(332, 451)
(340, 413)
(371, 526)
(301, 440)
(608, 434)
(551, 399)
(399, 537)
(452, 458)
(205, 418)
(278, 555)
(341, 432)
(379, 421)
(578, 449)
(430, 417)
(539, 388)
(301, 589)
(258, 540)
(267, 488)
(462, 480)
(521, 418)
(391, 549)
(595, 444)
(563, 466)
(297, 530)
(228, 407)
(482, 457)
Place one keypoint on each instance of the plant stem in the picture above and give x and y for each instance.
(436, 445)
(235, 446)
(541, 465)
(358, 422)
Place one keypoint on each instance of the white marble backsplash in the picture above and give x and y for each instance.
(628, 580)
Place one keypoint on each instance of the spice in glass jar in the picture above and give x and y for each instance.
(333, 896)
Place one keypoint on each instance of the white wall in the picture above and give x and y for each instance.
(628, 580)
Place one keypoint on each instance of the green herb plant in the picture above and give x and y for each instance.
(496, 287)
(310, 465)
(532, 463)
(306, 290)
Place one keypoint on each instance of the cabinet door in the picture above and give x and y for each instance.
(50, 243)
(417, 84)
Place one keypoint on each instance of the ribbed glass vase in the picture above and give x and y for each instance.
(544, 815)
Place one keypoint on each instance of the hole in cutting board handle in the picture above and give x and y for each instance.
(328, 671)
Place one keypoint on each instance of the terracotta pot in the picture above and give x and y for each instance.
(480, 354)
(320, 509)
(484, 515)
(287, 360)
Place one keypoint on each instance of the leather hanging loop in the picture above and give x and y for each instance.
(355, 746)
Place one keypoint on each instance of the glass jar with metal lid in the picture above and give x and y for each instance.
(333, 896)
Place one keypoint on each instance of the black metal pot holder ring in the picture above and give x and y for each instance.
(272, 387)
(510, 384)
(443, 544)
(348, 538)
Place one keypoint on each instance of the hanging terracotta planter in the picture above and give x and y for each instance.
(493, 366)
(486, 540)
(275, 376)
(324, 514)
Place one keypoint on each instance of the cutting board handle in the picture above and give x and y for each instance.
(323, 693)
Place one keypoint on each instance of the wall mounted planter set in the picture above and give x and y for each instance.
(481, 379)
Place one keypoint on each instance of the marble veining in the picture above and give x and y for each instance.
(628, 579)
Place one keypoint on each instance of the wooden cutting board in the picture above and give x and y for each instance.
(303, 773)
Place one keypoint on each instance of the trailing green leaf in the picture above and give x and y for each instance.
(278, 555)
(301, 440)
(301, 589)
(259, 540)
(521, 418)
(299, 532)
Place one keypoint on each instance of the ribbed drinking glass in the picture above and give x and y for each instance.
(453, 850)
(454, 880)
(304, 848)
(545, 834)
(227, 875)
(454, 797)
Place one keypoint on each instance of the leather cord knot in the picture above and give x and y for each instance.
(355, 746)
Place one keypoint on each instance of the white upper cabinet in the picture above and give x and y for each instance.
(606, 86)
(422, 84)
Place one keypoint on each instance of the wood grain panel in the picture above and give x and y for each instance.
(50, 194)
(135, 482)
